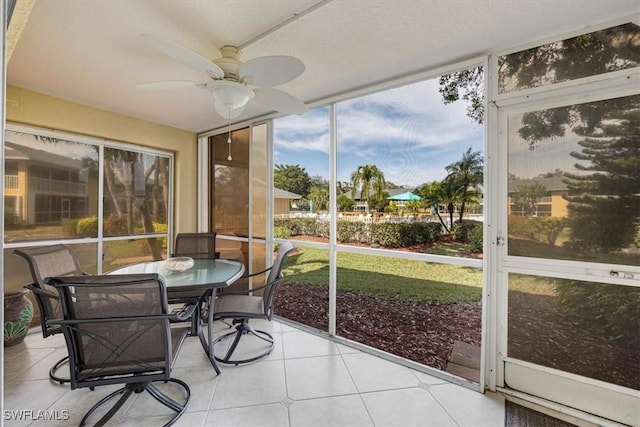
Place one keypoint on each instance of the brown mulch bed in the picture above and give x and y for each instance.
(425, 333)
(418, 331)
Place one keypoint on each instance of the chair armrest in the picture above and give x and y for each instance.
(248, 291)
(256, 274)
(36, 290)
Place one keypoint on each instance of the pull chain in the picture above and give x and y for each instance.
(229, 137)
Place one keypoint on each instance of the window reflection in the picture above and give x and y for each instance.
(589, 329)
(230, 183)
(574, 175)
(50, 187)
(590, 54)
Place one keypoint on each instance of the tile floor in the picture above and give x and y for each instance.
(306, 381)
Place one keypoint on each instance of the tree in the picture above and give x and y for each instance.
(604, 201)
(468, 174)
(344, 202)
(319, 198)
(526, 197)
(468, 86)
(125, 170)
(367, 178)
(602, 51)
(292, 178)
(448, 194)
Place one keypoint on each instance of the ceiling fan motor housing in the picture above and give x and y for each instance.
(230, 63)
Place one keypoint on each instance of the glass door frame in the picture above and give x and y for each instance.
(205, 175)
(522, 378)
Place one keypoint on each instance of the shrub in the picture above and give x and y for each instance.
(475, 240)
(549, 228)
(159, 227)
(115, 225)
(11, 218)
(462, 229)
(281, 232)
(70, 227)
(353, 231)
(87, 226)
(611, 311)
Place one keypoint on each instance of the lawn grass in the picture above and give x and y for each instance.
(387, 277)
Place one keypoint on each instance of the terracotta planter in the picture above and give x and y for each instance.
(18, 313)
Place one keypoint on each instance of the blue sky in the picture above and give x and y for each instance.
(406, 132)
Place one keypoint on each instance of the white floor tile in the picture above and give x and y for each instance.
(428, 379)
(470, 408)
(40, 369)
(345, 349)
(313, 377)
(303, 344)
(406, 408)
(331, 411)
(251, 384)
(371, 373)
(306, 381)
(273, 415)
(19, 358)
(32, 395)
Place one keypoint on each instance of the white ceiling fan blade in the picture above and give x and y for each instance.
(279, 100)
(172, 84)
(267, 71)
(184, 55)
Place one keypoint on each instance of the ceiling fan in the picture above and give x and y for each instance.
(234, 83)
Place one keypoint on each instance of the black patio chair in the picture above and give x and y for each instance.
(241, 306)
(117, 330)
(196, 246)
(47, 261)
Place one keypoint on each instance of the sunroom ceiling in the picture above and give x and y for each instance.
(92, 52)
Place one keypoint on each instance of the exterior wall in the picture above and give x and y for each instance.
(558, 205)
(281, 206)
(36, 109)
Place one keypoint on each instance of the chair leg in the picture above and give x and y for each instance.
(168, 401)
(244, 329)
(126, 392)
(54, 369)
(132, 388)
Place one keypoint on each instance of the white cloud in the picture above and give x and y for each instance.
(407, 132)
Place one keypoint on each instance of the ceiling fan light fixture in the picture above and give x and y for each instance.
(230, 98)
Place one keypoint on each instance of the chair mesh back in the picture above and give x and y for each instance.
(275, 274)
(111, 335)
(196, 245)
(49, 261)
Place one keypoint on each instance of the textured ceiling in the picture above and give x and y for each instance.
(92, 52)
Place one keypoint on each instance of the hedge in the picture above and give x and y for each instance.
(390, 235)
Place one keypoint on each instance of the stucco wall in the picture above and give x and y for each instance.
(36, 109)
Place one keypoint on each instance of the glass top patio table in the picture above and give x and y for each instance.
(208, 275)
(205, 273)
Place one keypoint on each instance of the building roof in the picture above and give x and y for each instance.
(284, 194)
(554, 183)
(15, 151)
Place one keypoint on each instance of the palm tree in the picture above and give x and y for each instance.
(447, 193)
(367, 177)
(468, 172)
